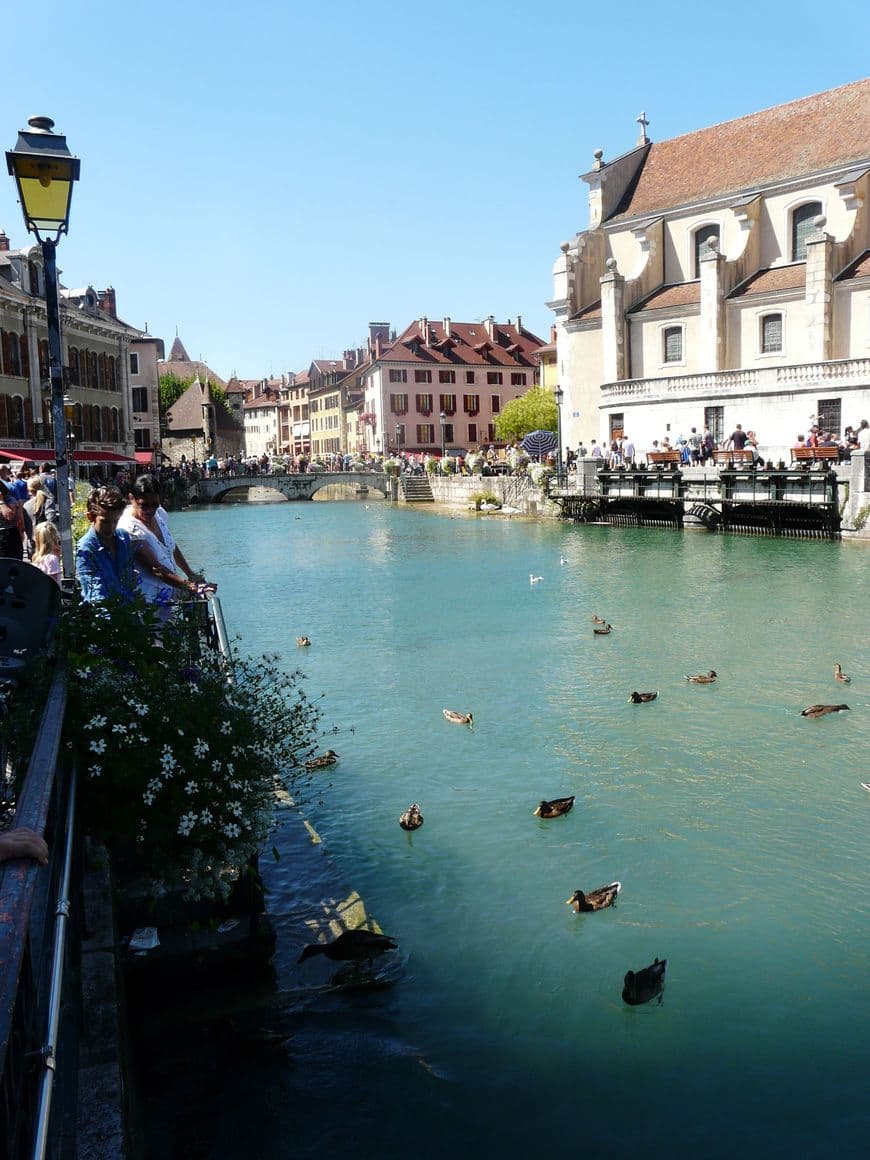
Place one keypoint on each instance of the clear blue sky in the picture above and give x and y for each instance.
(269, 178)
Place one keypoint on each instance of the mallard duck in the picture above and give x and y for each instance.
(703, 678)
(411, 819)
(554, 808)
(603, 631)
(323, 760)
(458, 718)
(303, 641)
(639, 698)
(821, 710)
(598, 899)
(641, 986)
(351, 946)
(598, 620)
(840, 675)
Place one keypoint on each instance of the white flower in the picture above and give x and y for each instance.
(200, 749)
(226, 727)
(190, 787)
(98, 747)
(95, 770)
(96, 723)
(234, 808)
(186, 824)
(180, 732)
(119, 728)
(216, 766)
(148, 797)
(232, 830)
(206, 817)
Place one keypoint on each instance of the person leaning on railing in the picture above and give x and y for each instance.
(23, 843)
(104, 555)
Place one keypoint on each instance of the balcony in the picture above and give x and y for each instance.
(775, 380)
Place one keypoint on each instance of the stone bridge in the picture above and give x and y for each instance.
(292, 486)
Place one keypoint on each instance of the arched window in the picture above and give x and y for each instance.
(43, 358)
(801, 227)
(74, 372)
(16, 417)
(25, 356)
(702, 237)
(97, 424)
(33, 272)
(115, 436)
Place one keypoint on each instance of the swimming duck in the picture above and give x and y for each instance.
(639, 698)
(840, 675)
(458, 718)
(533, 579)
(641, 986)
(351, 946)
(554, 808)
(865, 785)
(598, 620)
(598, 899)
(821, 710)
(603, 631)
(323, 760)
(303, 641)
(703, 678)
(411, 819)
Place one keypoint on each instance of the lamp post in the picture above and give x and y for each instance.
(69, 411)
(442, 419)
(559, 395)
(400, 431)
(44, 171)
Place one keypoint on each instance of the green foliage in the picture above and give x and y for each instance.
(180, 754)
(534, 411)
(172, 388)
(861, 518)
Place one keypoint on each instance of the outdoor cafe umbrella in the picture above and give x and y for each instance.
(540, 443)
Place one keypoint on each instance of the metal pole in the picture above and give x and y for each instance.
(559, 423)
(58, 418)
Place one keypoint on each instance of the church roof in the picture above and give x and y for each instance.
(178, 353)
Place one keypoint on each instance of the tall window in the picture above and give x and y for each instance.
(830, 415)
(426, 433)
(714, 418)
(801, 228)
(399, 404)
(448, 434)
(496, 404)
(472, 433)
(447, 403)
(469, 376)
(424, 404)
(140, 399)
(617, 425)
(771, 333)
(672, 342)
(518, 378)
(702, 236)
(471, 404)
(134, 363)
(142, 438)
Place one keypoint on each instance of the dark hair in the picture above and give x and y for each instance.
(103, 498)
(144, 485)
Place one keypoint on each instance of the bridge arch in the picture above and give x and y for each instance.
(292, 487)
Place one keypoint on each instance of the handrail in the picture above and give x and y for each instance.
(220, 627)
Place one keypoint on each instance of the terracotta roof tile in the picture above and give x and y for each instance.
(681, 294)
(802, 137)
(860, 268)
(792, 277)
(593, 310)
(470, 345)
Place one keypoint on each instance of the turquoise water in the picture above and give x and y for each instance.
(737, 828)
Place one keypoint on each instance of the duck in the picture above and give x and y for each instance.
(458, 718)
(703, 678)
(411, 819)
(603, 631)
(351, 946)
(641, 986)
(533, 579)
(554, 808)
(822, 710)
(639, 698)
(598, 620)
(598, 899)
(840, 675)
(323, 760)
(303, 641)
(865, 785)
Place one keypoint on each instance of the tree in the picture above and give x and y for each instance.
(534, 411)
(172, 388)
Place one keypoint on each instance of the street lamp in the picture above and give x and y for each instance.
(69, 411)
(400, 431)
(559, 395)
(442, 419)
(44, 171)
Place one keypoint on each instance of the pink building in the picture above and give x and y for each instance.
(465, 371)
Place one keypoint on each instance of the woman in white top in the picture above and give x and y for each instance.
(162, 569)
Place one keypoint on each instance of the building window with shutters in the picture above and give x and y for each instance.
(425, 434)
(140, 399)
(424, 404)
(672, 344)
(518, 378)
(399, 404)
(472, 433)
(471, 404)
(494, 378)
(496, 404)
(447, 403)
(770, 334)
(398, 376)
(469, 377)
(422, 376)
(447, 376)
(801, 227)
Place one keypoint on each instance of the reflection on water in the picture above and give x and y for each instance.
(737, 828)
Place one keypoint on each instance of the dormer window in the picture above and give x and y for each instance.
(801, 227)
(702, 237)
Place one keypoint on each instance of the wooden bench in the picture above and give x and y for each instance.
(744, 455)
(663, 457)
(814, 454)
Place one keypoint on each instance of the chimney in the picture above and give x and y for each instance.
(553, 333)
(447, 330)
(490, 327)
(424, 329)
(519, 324)
(106, 300)
(4, 242)
(349, 360)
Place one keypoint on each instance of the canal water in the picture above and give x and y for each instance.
(738, 829)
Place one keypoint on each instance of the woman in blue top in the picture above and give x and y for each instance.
(104, 555)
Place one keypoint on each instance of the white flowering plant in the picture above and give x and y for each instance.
(180, 752)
